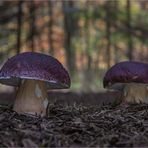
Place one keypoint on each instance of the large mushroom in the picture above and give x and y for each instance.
(131, 78)
(33, 73)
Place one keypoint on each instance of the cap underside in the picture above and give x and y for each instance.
(116, 86)
(16, 81)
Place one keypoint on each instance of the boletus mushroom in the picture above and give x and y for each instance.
(33, 73)
(131, 78)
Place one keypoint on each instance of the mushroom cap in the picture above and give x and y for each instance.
(126, 72)
(35, 66)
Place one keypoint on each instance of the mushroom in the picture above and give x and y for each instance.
(33, 73)
(131, 78)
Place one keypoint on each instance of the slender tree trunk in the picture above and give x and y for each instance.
(19, 25)
(69, 26)
(50, 6)
(108, 34)
(116, 49)
(116, 53)
(32, 24)
(130, 42)
(87, 38)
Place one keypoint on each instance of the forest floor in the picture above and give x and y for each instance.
(76, 126)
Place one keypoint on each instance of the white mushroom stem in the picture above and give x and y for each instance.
(131, 92)
(31, 98)
(135, 93)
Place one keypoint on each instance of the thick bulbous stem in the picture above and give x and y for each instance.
(31, 98)
(135, 93)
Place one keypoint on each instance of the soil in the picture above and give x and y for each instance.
(76, 126)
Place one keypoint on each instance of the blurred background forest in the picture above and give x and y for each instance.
(87, 36)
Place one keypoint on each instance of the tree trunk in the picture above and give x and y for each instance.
(32, 24)
(69, 26)
(87, 37)
(108, 34)
(50, 6)
(130, 42)
(115, 44)
(19, 25)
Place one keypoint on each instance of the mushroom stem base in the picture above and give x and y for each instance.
(135, 93)
(31, 98)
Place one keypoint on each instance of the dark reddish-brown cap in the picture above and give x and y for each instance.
(126, 72)
(35, 66)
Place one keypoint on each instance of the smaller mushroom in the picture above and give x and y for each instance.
(33, 73)
(131, 78)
